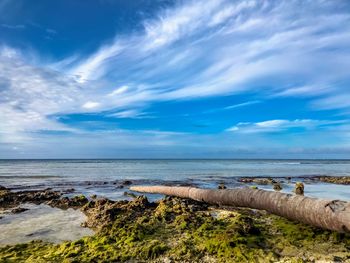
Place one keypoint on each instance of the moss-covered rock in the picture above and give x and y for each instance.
(277, 186)
(9, 199)
(334, 179)
(178, 230)
(299, 188)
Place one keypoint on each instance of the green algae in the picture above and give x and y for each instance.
(299, 188)
(186, 231)
(334, 179)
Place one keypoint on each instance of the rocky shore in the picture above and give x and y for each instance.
(10, 199)
(345, 180)
(174, 230)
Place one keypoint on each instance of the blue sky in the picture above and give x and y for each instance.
(175, 79)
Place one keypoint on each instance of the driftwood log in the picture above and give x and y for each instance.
(327, 214)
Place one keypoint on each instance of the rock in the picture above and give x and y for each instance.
(120, 187)
(127, 182)
(2, 188)
(93, 196)
(66, 202)
(245, 180)
(182, 230)
(69, 190)
(221, 186)
(103, 211)
(247, 226)
(260, 181)
(337, 259)
(333, 179)
(277, 186)
(132, 195)
(299, 188)
(18, 210)
(10, 199)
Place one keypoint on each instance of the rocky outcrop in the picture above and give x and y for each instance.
(9, 199)
(334, 179)
(257, 180)
(66, 202)
(182, 230)
(101, 212)
(18, 210)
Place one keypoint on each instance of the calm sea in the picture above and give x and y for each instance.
(104, 177)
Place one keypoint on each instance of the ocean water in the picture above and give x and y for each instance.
(102, 177)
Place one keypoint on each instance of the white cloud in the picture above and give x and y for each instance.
(336, 101)
(235, 106)
(29, 96)
(305, 91)
(248, 103)
(175, 24)
(119, 90)
(8, 52)
(17, 27)
(271, 126)
(93, 67)
(90, 105)
(133, 114)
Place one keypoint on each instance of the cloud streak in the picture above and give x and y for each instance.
(273, 126)
(17, 27)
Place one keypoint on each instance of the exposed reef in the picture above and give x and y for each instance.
(11, 200)
(317, 178)
(334, 179)
(181, 230)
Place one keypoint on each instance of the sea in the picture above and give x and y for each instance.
(105, 177)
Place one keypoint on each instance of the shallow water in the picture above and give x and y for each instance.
(101, 177)
(42, 222)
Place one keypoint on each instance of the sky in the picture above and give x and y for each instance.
(175, 79)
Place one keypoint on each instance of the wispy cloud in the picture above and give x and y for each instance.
(235, 106)
(29, 95)
(17, 27)
(261, 43)
(306, 91)
(272, 126)
(133, 114)
(93, 67)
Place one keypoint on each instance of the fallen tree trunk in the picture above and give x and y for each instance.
(327, 214)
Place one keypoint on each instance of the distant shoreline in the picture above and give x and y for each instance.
(177, 159)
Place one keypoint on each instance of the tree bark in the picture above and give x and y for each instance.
(327, 214)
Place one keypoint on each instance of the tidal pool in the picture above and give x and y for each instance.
(42, 222)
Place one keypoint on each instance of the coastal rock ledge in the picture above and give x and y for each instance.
(181, 230)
